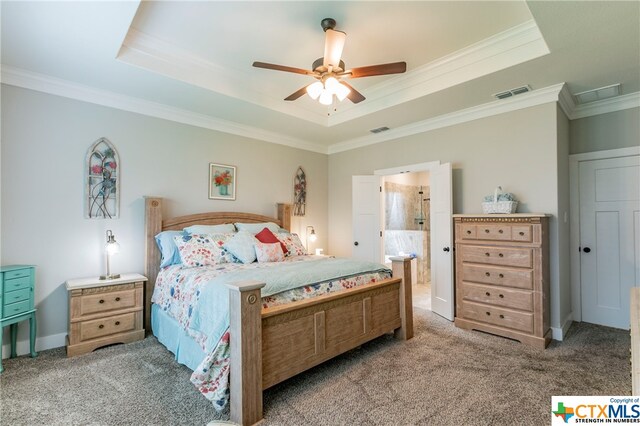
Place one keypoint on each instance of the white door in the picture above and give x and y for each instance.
(367, 218)
(442, 294)
(609, 238)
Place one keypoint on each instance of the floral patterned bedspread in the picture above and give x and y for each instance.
(183, 293)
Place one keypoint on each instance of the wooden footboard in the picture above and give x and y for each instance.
(273, 344)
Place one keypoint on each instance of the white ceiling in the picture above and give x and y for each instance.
(193, 59)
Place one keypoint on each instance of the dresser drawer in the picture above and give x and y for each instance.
(10, 309)
(106, 326)
(521, 321)
(18, 273)
(521, 233)
(17, 296)
(494, 232)
(519, 278)
(107, 301)
(508, 298)
(520, 257)
(17, 284)
(468, 232)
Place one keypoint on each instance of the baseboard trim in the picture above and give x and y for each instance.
(42, 343)
(558, 333)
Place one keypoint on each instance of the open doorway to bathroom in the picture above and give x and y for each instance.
(407, 205)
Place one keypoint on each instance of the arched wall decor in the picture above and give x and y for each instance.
(299, 193)
(102, 182)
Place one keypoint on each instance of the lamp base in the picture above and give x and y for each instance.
(110, 277)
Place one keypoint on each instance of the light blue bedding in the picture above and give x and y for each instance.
(211, 312)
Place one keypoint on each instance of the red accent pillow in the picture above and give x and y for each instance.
(266, 236)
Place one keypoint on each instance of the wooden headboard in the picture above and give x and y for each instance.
(154, 224)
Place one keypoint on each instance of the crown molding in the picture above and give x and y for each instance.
(619, 103)
(55, 86)
(158, 56)
(516, 45)
(536, 97)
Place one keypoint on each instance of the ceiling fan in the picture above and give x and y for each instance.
(330, 70)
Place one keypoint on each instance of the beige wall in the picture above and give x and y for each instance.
(620, 129)
(517, 150)
(561, 302)
(44, 143)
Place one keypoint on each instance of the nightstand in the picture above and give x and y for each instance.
(104, 312)
(17, 283)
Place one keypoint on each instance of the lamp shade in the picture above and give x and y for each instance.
(326, 97)
(314, 90)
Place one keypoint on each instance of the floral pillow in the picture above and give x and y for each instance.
(293, 243)
(269, 252)
(241, 246)
(203, 249)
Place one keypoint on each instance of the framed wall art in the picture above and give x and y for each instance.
(222, 182)
(102, 181)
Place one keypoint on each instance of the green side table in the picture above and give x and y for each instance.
(17, 285)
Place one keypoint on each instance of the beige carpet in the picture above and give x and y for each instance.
(443, 376)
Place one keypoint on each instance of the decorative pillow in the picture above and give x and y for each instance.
(266, 236)
(241, 245)
(254, 228)
(168, 249)
(293, 243)
(269, 252)
(210, 229)
(203, 249)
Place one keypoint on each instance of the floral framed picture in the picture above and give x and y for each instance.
(222, 182)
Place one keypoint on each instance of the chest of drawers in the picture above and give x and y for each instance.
(502, 275)
(104, 312)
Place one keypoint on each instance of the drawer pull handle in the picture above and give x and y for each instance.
(488, 294)
(117, 322)
(101, 326)
(501, 316)
(500, 254)
(501, 296)
(486, 254)
(468, 232)
(488, 313)
(101, 301)
(487, 274)
(501, 275)
(521, 233)
(500, 231)
(117, 299)
(486, 231)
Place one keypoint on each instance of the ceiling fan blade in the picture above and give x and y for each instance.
(383, 69)
(282, 68)
(295, 95)
(354, 96)
(333, 45)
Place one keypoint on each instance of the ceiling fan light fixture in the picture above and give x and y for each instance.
(314, 90)
(331, 84)
(326, 97)
(341, 92)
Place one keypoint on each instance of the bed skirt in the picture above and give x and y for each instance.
(173, 337)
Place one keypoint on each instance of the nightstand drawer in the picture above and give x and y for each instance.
(108, 301)
(18, 273)
(17, 296)
(106, 326)
(11, 309)
(17, 284)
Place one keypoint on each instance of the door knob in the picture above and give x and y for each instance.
(446, 249)
(586, 250)
(355, 244)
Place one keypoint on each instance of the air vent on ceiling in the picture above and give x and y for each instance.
(379, 129)
(598, 94)
(512, 92)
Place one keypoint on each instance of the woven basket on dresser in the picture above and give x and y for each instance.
(499, 207)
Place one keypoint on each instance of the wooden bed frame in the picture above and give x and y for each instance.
(273, 344)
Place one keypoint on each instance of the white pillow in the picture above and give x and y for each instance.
(254, 228)
(210, 229)
(269, 252)
(241, 245)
